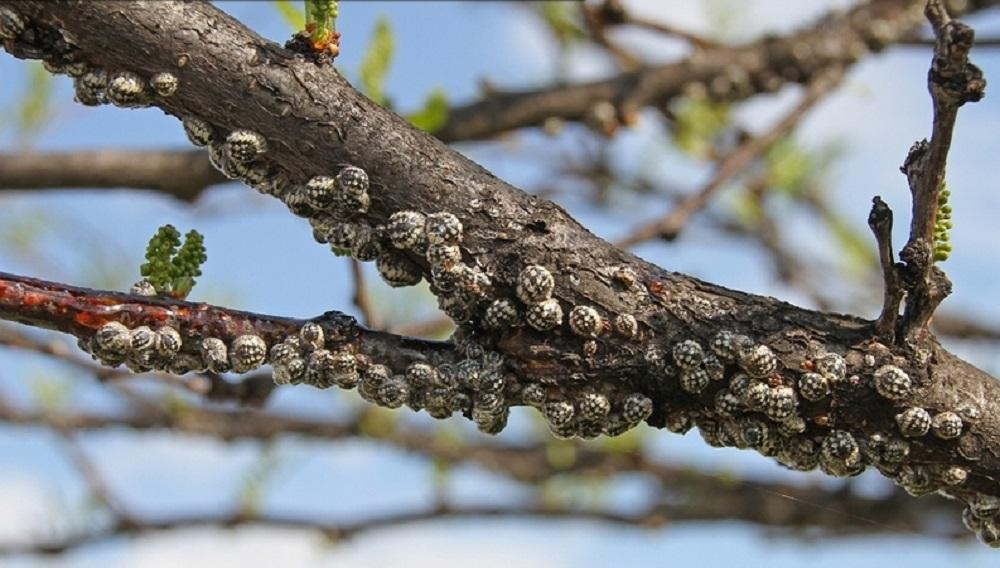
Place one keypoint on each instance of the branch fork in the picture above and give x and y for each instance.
(952, 81)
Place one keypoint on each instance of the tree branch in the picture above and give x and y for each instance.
(989, 42)
(181, 174)
(93, 478)
(682, 348)
(692, 495)
(82, 312)
(670, 225)
(252, 390)
(952, 81)
(652, 518)
(836, 40)
(880, 221)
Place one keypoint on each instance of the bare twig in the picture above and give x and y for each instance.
(766, 64)
(614, 13)
(959, 327)
(670, 226)
(597, 19)
(361, 300)
(434, 327)
(880, 221)
(92, 476)
(952, 81)
(664, 28)
(529, 464)
(770, 510)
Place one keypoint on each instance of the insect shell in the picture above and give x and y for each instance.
(688, 354)
(198, 131)
(247, 353)
(114, 337)
(11, 23)
(544, 315)
(892, 382)
(636, 407)
(585, 321)
(397, 270)
(164, 84)
(127, 89)
(245, 146)
(215, 354)
(352, 190)
(90, 88)
(914, 422)
(535, 284)
(443, 229)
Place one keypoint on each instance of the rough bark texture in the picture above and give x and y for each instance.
(315, 122)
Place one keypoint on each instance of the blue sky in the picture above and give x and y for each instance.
(262, 259)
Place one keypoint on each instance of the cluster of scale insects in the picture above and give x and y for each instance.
(476, 386)
(408, 246)
(143, 349)
(754, 406)
(760, 407)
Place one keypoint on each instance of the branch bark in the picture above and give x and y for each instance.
(314, 123)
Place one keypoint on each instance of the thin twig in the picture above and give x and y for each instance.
(669, 30)
(765, 62)
(361, 300)
(880, 221)
(82, 311)
(597, 19)
(93, 478)
(952, 81)
(435, 327)
(669, 226)
(655, 516)
(959, 327)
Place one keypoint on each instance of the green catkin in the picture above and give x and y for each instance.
(942, 226)
(170, 266)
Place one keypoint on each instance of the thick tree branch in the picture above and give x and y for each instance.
(672, 335)
(181, 174)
